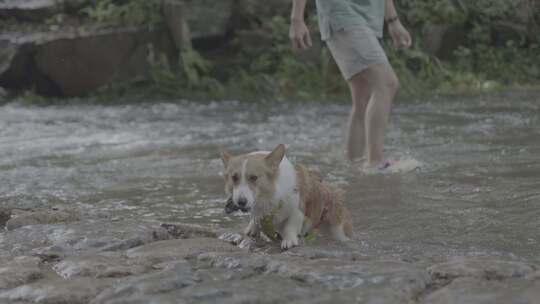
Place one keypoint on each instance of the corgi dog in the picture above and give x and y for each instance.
(266, 183)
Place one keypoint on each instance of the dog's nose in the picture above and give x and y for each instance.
(242, 202)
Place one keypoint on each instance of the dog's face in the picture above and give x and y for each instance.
(250, 178)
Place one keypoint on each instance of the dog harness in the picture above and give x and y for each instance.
(315, 202)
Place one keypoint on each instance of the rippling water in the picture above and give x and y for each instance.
(478, 191)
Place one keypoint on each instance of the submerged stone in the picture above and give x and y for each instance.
(478, 291)
(21, 270)
(72, 291)
(97, 265)
(481, 267)
(40, 217)
(179, 276)
(332, 273)
(179, 249)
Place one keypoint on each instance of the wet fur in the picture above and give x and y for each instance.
(313, 191)
(301, 192)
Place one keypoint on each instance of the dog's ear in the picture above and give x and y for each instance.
(225, 157)
(274, 158)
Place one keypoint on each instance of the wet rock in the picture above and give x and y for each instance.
(40, 217)
(534, 276)
(344, 251)
(72, 291)
(480, 267)
(5, 214)
(178, 249)
(97, 265)
(18, 271)
(108, 236)
(333, 273)
(219, 274)
(90, 236)
(478, 291)
(260, 289)
(23, 240)
(130, 290)
(185, 231)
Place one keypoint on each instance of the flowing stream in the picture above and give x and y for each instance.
(477, 192)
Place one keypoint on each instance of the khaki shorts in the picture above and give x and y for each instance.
(355, 49)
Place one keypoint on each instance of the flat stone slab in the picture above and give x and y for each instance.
(40, 217)
(478, 291)
(102, 265)
(481, 267)
(130, 290)
(178, 249)
(90, 236)
(72, 291)
(21, 270)
(374, 281)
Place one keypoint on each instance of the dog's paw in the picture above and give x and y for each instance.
(251, 230)
(289, 243)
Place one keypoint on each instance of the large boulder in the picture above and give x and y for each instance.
(75, 61)
(36, 10)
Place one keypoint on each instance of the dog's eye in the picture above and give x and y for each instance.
(235, 178)
(253, 178)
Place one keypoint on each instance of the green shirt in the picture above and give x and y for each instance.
(335, 15)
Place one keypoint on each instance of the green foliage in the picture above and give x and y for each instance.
(273, 68)
(189, 75)
(487, 58)
(259, 60)
(133, 12)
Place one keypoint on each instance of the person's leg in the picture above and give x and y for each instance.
(360, 95)
(384, 84)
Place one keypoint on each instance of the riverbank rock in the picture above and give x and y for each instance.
(482, 268)
(75, 61)
(130, 290)
(58, 290)
(171, 250)
(375, 281)
(20, 270)
(37, 10)
(5, 215)
(26, 218)
(100, 265)
(471, 290)
(186, 231)
(29, 10)
(57, 241)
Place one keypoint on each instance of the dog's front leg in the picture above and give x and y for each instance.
(252, 228)
(291, 230)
